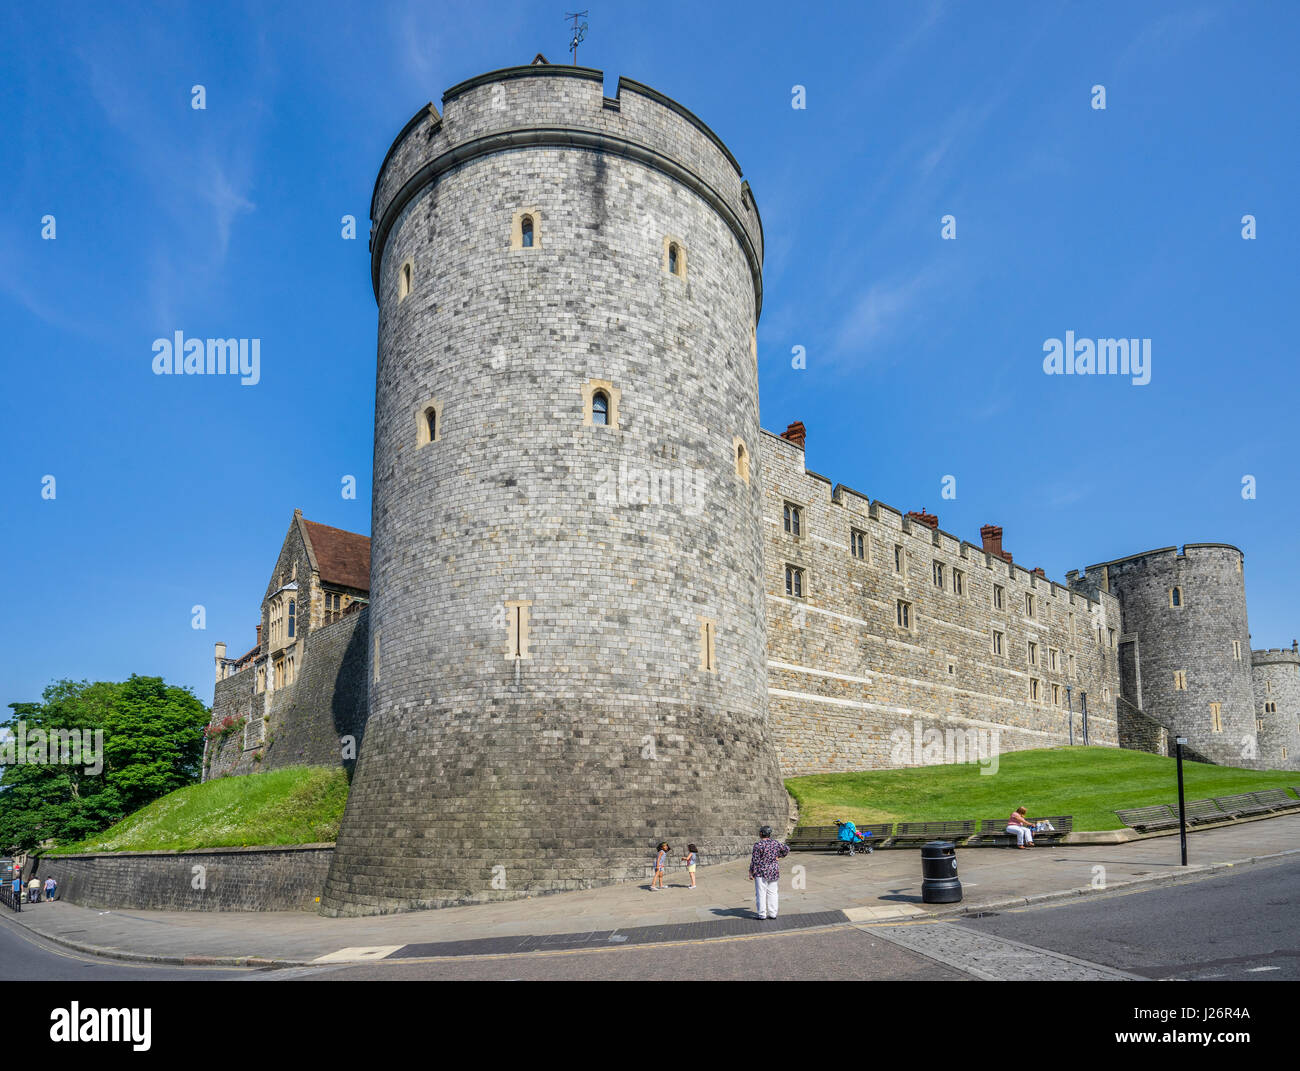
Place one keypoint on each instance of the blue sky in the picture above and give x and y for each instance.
(924, 356)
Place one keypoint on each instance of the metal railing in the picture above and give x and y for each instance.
(13, 901)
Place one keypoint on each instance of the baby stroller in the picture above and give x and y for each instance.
(850, 838)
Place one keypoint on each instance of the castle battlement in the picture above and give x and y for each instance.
(1275, 656)
(861, 507)
(544, 106)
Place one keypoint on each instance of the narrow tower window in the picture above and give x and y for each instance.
(1175, 596)
(708, 631)
(742, 460)
(428, 423)
(674, 261)
(404, 281)
(600, 401)
(517, 630)
(293, 614)
(526, 229)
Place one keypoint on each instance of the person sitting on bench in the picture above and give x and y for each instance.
(1020, 828)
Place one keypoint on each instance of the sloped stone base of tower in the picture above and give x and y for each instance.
(514, 802)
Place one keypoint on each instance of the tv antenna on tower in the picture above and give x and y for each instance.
(579, 32)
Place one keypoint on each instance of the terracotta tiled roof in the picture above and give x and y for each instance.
(342, 557)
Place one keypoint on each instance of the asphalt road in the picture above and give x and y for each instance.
(25, 958)
(1242, 926)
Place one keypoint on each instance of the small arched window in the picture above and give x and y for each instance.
(742, 461)
(672, 258)
(431, 423)
(526, 232)
(600, 408)
(404, 282)
(1176, 597)
(293, 612)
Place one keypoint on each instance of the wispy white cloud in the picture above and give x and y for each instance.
(881, 310)
(1165, 35)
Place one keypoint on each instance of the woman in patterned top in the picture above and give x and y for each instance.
(661, 857)
(765, 871)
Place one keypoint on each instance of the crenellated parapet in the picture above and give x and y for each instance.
(564, 107)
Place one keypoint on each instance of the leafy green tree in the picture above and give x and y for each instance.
(153, 744)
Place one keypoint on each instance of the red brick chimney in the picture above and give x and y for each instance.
(1038, 572)
(259, 637)
(927, 519)
(991, 534)
(795, 433)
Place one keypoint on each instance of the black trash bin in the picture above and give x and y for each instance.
(939, 873)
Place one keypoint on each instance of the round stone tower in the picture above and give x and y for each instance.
(1276, 675)
(568, 651)
(1188, 612)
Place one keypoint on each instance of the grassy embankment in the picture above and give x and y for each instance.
(1088, 783)
(295, 805)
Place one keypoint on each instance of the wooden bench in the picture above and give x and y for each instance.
(813, 838)
(994, 830)
(827, 838)
(920, 832)
(1200, 812)
(1243, 805)
(1277, 799)
(1145, 818)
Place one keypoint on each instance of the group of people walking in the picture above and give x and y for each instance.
(34, 889)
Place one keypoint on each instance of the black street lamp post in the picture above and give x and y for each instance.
(1179, 741)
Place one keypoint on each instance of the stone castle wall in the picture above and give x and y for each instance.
(286, 878)
(487, 776)
(843, 676)
(304, 723)
(1275, 679)
(1205, 638)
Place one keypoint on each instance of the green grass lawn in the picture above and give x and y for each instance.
(1087, 782)
(296, 805)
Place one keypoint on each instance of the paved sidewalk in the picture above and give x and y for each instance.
(829, 889)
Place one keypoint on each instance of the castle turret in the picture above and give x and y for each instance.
(568, 657)
(1191, 668)
(1276, 677)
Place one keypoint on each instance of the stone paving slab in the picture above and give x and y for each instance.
(863, 889)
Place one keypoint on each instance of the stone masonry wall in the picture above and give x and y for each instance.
(233, 879)
(1205, 638)
(486, 776)
(303, 723)
(843, 676)
(1275, 678)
